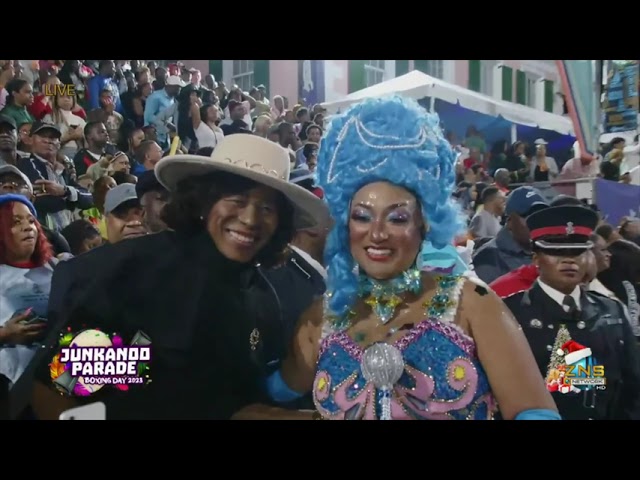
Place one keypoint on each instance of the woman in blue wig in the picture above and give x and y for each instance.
(403, 332)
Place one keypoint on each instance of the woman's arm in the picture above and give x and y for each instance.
(295, 378)
(504, 352)
(299, 368)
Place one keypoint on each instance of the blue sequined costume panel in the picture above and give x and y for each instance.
(442, 378)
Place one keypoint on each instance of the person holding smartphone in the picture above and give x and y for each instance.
(26, 269)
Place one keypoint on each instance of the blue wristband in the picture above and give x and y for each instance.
(279, 391)
(538, 414)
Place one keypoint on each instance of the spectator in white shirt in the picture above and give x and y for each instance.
(204, 119)
(486, 223)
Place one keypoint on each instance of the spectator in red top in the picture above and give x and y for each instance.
(518, 280)
(474, 158)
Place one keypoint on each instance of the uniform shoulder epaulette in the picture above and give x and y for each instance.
(514, 293)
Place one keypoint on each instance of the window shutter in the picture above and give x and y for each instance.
(215, 69)
(357, 78)
(521, 87)
(507, 83)
(422, 65)
(261, 73)
(548, 96)
(402, 67)
(474, 75)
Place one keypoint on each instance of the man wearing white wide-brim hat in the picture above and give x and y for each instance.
(197, 290)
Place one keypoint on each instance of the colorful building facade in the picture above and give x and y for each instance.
(534, 83)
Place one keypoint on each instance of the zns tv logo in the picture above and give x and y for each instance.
(586, 375)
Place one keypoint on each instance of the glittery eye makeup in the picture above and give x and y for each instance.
(361, 215)
(399, 216)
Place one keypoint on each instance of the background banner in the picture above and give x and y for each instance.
(616, 200)
(311, 81)
(579, 84)
(620, 105)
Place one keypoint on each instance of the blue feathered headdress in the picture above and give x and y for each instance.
(384, 139)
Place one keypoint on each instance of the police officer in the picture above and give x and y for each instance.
(568, 326)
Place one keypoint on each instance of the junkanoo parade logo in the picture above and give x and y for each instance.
(88, 360)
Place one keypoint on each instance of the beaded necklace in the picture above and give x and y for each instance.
(384, 296)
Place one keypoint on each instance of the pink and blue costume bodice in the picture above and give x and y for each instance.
(442, 377)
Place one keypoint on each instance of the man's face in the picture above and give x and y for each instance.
(172, 90)
(125, 222)
(562, 269)
(152, 204)
(109, 69)
(24, 132)
(99, 136)
(237, 113)
(8, 137)
(314, 135)
(12, 183)
(153, 156)
(45, 144)
(602, 255)
(287, 134)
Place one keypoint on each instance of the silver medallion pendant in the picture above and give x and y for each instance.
(382, 364)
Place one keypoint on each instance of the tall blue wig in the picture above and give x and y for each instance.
(392, 140)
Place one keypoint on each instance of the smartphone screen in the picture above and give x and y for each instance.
(93, 411)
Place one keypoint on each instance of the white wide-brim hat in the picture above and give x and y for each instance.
(252, 157)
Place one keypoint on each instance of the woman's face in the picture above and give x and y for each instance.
(24, 96)
(146, 89)
(243, 224)
(102, 186)
(542, 150)
(137, 137)
(212, 114)
(385, 229)
(65, 102)
(121, 164)
(24, 234)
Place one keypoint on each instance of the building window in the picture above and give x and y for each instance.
(530, 89)
(243, 74)
(374, 72)
(435, 68)
(486, 76)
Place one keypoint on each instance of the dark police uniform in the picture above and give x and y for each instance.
(599, 324)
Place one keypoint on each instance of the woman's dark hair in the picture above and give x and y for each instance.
(480, 186)
(14, 86)
(77, 232)
(122, 177)
(625, 265)
(185, 124)
(195, 196)
(303, 130)
(205, 151)
(605, 231)
(42, 252)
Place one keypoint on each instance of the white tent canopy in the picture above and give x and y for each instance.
(418, 85)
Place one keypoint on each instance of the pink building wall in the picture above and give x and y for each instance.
(202, 65)
(283, 79)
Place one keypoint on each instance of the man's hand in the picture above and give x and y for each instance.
(16, 333)
(49, 188)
